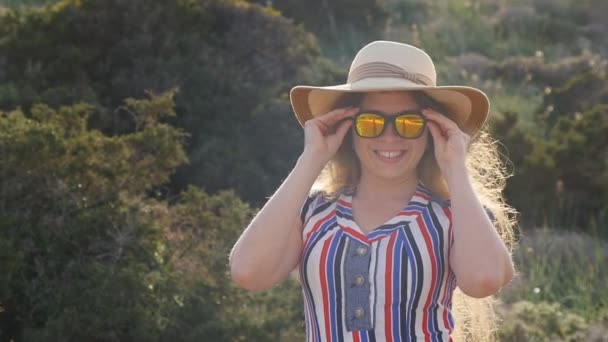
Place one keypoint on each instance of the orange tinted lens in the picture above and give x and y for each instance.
(409, 125)
(369, 125)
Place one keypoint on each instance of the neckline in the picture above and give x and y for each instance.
(345, 218)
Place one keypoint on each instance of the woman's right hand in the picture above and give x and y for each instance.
(321, 136)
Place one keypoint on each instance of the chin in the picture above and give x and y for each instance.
(395, 172)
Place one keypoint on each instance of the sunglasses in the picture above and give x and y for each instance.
(371, 123)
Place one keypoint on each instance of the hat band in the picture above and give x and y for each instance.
(381, 69)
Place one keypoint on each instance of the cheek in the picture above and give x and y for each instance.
(358, 144)
(422, 143)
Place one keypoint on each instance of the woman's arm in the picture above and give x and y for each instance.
(271, 245)
(478, 257)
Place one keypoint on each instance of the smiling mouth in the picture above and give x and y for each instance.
(390, 154)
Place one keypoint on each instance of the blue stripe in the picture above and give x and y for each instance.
(313, 328)
(306, 207)
(444, 280)
(344, 212)
(396, 275)
(316, 236)
(428, 222)
(414, 273)
(312, 242)
(452, 285)
(332, 284)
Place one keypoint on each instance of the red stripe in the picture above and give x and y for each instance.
(429, 298)
(444, 300)
(447, 294)
(423, 195)
(446, 322)
(356, 336)
(344, 203)
(318, 224)
(388, 290)
(355, 233)
(325, 287)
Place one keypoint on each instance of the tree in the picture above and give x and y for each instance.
(91, 253)
(232, 62)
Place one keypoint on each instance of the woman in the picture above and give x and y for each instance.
(403, 210)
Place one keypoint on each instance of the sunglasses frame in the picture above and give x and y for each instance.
(390, 119)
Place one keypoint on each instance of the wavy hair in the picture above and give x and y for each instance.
(475, 318)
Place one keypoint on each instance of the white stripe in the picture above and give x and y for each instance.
(347, 334)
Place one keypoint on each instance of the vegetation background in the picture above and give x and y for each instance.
(138, 137)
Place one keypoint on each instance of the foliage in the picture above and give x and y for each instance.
(22, 3)
(559, 292)
(542, 322)
(231, 61)
(68, 208)
(347, 23)
(581, 143)
(105, 233)
(566, 268)
(232, 99)
(89, 255)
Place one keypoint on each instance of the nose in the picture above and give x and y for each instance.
(389, 132)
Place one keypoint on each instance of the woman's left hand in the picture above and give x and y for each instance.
(450, 142)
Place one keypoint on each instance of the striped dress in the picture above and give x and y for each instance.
(392, 284)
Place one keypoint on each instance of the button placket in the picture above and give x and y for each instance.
(357, 291)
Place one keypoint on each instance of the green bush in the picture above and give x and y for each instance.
(89, 253)
(527, 321)
(231, 61)
(566, 268)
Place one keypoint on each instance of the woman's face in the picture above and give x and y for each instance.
(389, 156)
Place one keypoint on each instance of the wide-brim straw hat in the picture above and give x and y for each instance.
(392, 66)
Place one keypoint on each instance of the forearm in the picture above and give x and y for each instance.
(264, 243)
(478, 257)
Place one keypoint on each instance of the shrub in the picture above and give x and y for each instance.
(89, 252)
(566, 268)
(526, 321)
(231, 61)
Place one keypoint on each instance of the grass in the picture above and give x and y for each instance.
(20, 3)
(561, 290)
(561, 267)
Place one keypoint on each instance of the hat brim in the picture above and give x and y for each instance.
(468, 107)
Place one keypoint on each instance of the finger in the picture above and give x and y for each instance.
(436, 132)
(445, 123)
(330, 118)
(343, 127)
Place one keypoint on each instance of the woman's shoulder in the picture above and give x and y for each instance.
(315, 202)
(431, 198)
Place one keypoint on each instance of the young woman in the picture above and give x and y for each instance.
(405, 206)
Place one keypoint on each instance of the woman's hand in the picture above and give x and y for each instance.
(450, 142)
(323, 134)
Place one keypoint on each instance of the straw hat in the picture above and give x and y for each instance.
(384, 66)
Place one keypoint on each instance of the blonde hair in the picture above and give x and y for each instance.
(475, 318)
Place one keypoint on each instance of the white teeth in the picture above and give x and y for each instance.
(392, 154)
